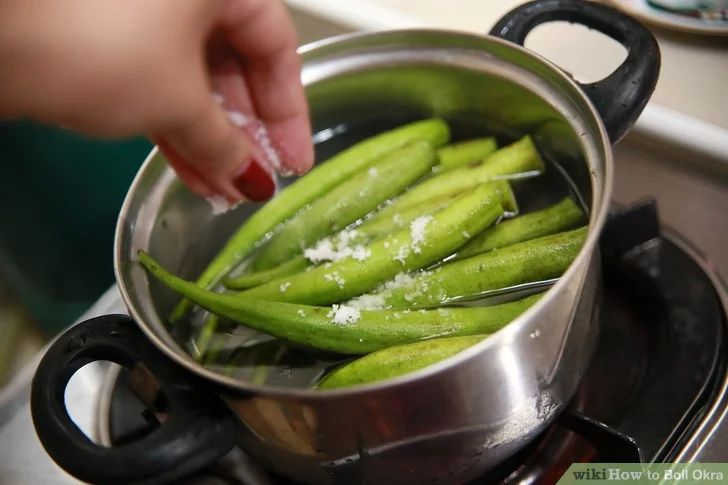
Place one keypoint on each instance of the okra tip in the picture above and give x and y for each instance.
(147, 261)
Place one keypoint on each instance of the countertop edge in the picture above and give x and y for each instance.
(657, 124)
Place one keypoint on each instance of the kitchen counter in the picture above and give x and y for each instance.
(694, 68)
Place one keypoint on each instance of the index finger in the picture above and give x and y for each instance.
(263, 35)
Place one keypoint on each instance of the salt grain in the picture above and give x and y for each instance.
(400, 280)
(285, 286)
(368, 302)
(360, 253)
(301, 313)
(260, 133)
(323, 251)
(417, 232)
(373, 172)
(336, 278)
(402, 254)
(337, 248)
(344, 315)
(220, 205)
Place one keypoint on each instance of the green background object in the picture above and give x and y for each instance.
(60, 195)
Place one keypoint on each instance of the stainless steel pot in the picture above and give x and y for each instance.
(448, 422)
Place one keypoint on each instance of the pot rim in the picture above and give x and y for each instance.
(501, 337)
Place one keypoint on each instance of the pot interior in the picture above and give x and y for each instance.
(359, 86)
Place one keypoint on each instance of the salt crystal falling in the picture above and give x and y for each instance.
(259, 133)
(220, 205)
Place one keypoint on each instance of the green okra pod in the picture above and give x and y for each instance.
(343, 329)
(348, 202)
(535, 260)
(427, 240)
(559, 217)
(517, 158)
(249, 280)
(379, 226)
(306, 189)
(396, 361)
(464, 152)
(363, 234)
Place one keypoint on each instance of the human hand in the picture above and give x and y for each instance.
(127, 67)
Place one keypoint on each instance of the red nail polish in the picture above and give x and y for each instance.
(255, 183)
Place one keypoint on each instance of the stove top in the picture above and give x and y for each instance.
(656, 373)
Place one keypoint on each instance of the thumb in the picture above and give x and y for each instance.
(203, 146)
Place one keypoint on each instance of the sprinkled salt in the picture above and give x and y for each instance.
(323, 251)
(285, 286)
(535, 333)
(402, 254)
(386, 244)
(373, 172)
(220, 205)
(360, 253)
(260, 134)
(400, 280)
(301, 313)
(397, 219)
(367, 302)
(344, 315)
(466, 234)
(417, 232)
(238, 119)
(336, 278)
(337, 248)
(345, 237)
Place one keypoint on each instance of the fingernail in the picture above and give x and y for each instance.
(255, 183)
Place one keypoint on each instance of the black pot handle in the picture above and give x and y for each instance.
(197, 429)
(621, 96)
